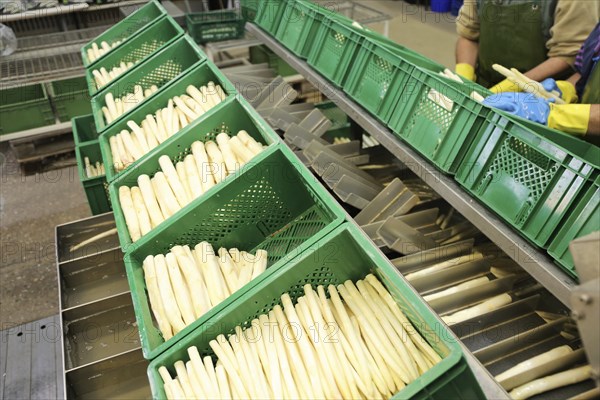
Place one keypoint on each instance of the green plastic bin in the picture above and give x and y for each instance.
(160, 69)
(249, 9)
(334, 50)
(198, 76)
(299, 26)
(275, 204)
(270, 14)
(515, 168)
(70, 98)
(438, 118)
(126, 29)
(84, 129)
(231, 116)
(582, 220)
(24, 107)
(343, 254)
(157, 36)
(96, 188)
(215, 26)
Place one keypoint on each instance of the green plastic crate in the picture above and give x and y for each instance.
(157, 36)
(84, 129)
(438, 118)
(70, 98)
(249, 9)
(275, 204)
(334, 50)
(96, 188)
(299, 26)
(343, 254)
(126, 29)
(582, 220)
(198, 76)
(215, 26)
(231, 116)
(531, 182)
(262, 54)
(160, 69)
(24, 107)
(270, 14)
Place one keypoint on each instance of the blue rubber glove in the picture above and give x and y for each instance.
(550, 86)
(566, 90)
(524, 105)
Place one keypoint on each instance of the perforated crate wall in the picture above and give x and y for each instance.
(160, 69)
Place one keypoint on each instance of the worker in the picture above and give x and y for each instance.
(540, 38)
(578, 119)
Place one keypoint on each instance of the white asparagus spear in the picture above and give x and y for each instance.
(228, 156)
(211, 272)
(220, 92)
(147, 93)
(139, 135)
(210, 372)
(126, 158)
(533, 362)
(153, 126)
(223, 350)
(110, 104)
(191, 171)
(228, 269)
(149, 135)
(107, 115)
(222, 381)
(205, 383)
(198, 97)
(182, 376)
(183, 120)
(166, 294)
(154, 296)
(132, 148)
(165, 193)
(249, 142)
(550, 382)
(182, 295)
(253, 363)
(129, 212)
(457, 288)
(181, 105)
(115, 152)
(241, 152)
(210, 95)
(304, 346)
(182, 175)
(216, 159)
(246, 268)
(194, 382)
(141, 211)
(274, 354)
(250, 384)
(418, 340)
(96, 50)
(294, 361)
(154, 212)
(100, 81)
(195, 282)
(159, 198)
(479, 309)
(161, 124)
(90, 54)
(203, 165)
(120, 107)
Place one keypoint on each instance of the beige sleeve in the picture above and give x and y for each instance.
(574, 20)
(467, 22)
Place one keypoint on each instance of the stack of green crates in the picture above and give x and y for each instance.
(24, 107)
(215, 26)
(87, 145)
(70, 98)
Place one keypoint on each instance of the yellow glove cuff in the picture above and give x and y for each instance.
(570, 118)
(504, 87)
(569, 94)
(466, 71)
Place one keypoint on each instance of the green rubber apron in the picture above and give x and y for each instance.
(510, 35)
(591, 91)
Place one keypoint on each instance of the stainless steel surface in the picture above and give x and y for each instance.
(99, 330)
(586, 297)
(31, 360)
(43, 12)
(55, 129)
(395, 199)
(537, 264)
(127, 4)
(36, 42)
(73, 233)
(439, 254)
(449, 276)
(86, 280)
(120, 377)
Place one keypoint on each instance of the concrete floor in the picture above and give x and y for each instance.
(31, 206)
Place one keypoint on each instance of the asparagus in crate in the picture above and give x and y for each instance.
(356, 343)
(186, 283)
(102, 77)
(117, 107)
(93, 170)
(172, 188)
(95, 52)
(129, 146)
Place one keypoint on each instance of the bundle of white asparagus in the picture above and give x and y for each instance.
(169, 190)
(185, 284)
(355, 344)
(103, 77)
(125, 103)
(92, 171)
(95, 52)
(129, 146)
